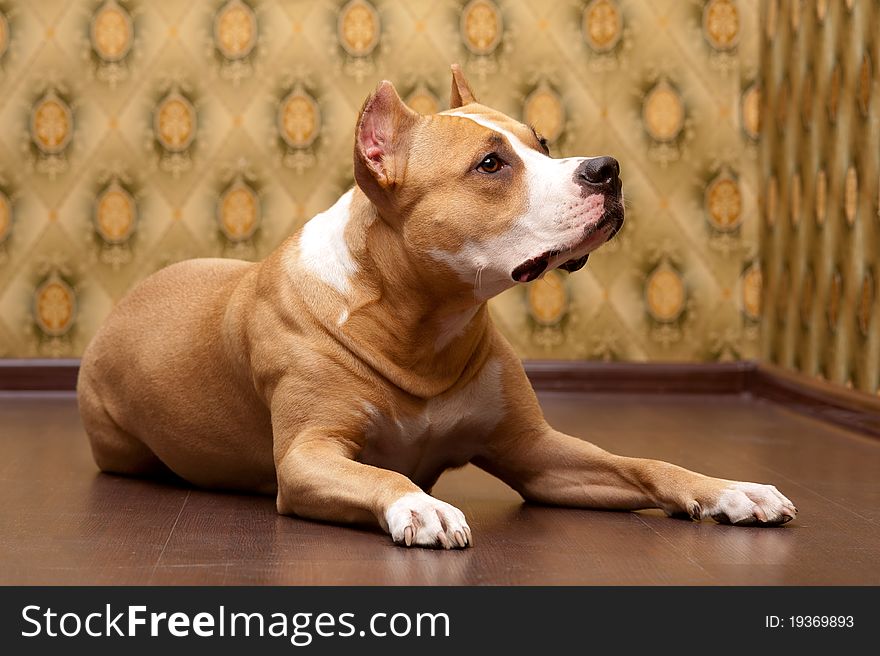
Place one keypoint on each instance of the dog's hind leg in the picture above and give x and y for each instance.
(113, 449)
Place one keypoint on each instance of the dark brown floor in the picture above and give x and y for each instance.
(62, 522)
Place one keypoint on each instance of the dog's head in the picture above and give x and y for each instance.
(473, 190)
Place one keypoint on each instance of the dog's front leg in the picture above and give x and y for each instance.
(319, 478)
(547, 466)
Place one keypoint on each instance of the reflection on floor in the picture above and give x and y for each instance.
(64, 523)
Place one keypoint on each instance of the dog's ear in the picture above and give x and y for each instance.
(381, 139)
(461, 90)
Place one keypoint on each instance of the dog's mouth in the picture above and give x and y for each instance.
(531, 269)
(536, 266)
(575, 265)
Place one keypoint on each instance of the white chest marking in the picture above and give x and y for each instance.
(448, 428)
(323, 251)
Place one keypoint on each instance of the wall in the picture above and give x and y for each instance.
(821, 217)
(134, 134)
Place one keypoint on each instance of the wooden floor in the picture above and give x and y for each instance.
(61, 522)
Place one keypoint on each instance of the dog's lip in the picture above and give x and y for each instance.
(534, 267)
(575, 264)
(531, 269)
(613, 221)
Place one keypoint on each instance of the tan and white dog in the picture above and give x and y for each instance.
(345, 372)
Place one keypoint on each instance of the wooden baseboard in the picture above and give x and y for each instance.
(38, 375)
(639, 377)
(826, 401)
(817, 398)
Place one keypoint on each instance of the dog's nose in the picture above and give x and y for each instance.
(599, 171)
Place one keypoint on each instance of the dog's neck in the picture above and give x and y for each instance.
(423, 329)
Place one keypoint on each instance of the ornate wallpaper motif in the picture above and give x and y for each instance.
(821, 211)
(134, 134)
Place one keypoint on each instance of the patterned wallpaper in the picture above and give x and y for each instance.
(821, 214)
(136, 133)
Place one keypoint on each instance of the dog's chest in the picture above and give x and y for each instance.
(445, 431)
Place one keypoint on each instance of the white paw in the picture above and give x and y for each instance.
(421, 520)
(750, 504)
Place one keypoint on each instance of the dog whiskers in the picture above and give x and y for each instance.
(478, 281)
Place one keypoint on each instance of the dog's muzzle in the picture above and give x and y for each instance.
(597, 175)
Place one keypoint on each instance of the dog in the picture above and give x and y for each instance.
(356, 363)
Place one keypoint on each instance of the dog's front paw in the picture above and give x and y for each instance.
(418, 519)
(748, 504)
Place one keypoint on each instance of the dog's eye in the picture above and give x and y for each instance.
(490, 164)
